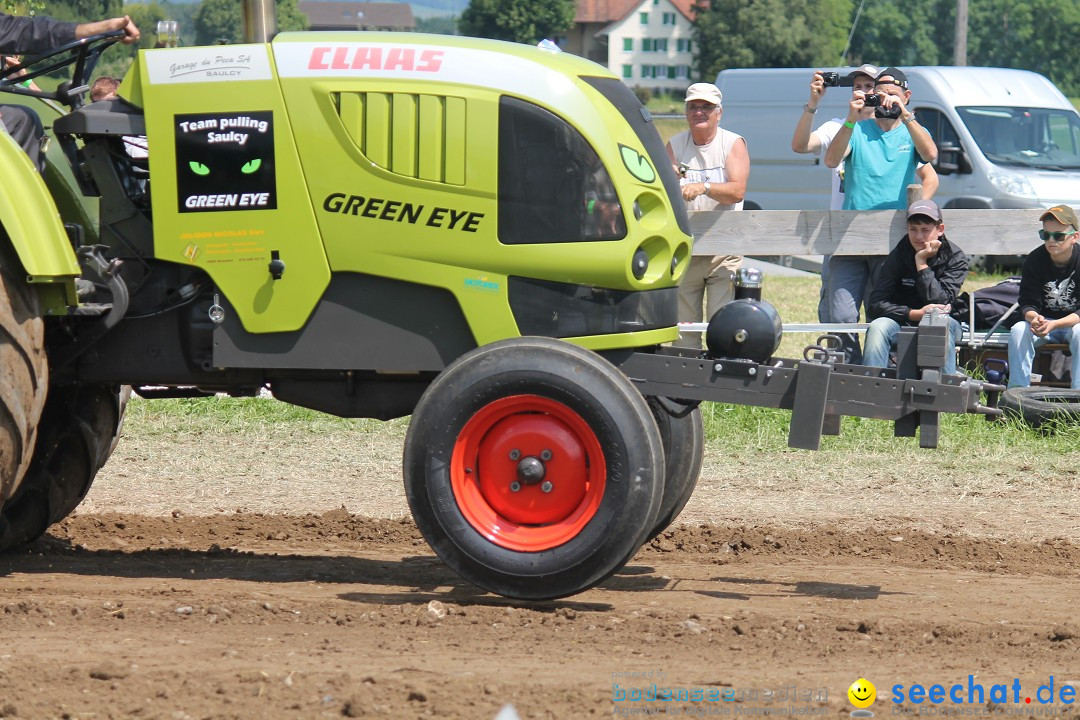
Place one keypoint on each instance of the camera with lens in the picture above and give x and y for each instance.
(832, 79)
(891, 112)
(683, 169)
(872, 100)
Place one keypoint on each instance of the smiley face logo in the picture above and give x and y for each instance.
(862, 693)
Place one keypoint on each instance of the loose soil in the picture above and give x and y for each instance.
(166, 597)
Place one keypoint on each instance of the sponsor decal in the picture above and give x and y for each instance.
(219, 63)
(225, 161)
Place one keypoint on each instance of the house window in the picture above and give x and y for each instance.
(682, 45)
(644, 17)
(655, 2)
(660, 44)
(628, 44)
(628, 71)
(682, 71)
(669, 18)
(646, 71)
(671, 72)
(646, 44)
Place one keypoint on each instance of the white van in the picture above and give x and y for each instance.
(1006, 138)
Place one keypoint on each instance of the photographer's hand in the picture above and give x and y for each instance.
(889, 101)
(817, 90)
(855, 107)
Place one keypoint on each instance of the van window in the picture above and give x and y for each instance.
(1026, 137)
(938, 126)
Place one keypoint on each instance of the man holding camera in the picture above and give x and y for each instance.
(880, 156)
(713, 166)
(817, 142)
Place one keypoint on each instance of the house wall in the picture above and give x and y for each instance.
(668, 69)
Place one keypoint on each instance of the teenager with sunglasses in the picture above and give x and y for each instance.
(1049, 297)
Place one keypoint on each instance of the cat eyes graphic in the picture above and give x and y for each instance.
(249, 167)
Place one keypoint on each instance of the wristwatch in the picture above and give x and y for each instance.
(707, 188)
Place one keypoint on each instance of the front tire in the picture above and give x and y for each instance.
(500, 423)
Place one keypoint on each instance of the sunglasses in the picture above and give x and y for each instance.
(1058, 236)
(700, 108)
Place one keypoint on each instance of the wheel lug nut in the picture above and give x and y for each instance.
(515, 486)
(546, 486)
(545, 455)
(515, 454)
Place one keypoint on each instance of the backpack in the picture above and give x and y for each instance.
(994, 305)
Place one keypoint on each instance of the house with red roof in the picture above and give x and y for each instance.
(648, 43)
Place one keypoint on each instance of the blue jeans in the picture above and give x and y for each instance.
(848, 284)
(881, 339)
(1022, 344)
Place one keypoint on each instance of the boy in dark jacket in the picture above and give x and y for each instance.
(1049, 297)
(922, 274)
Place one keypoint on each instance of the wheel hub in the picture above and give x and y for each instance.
(528, 472)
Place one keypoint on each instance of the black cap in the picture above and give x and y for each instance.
(897, 75)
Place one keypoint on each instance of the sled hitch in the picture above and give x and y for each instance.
(819, 389)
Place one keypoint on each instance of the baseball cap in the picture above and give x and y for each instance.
(704, 91)
(897, 75)
(927, 208)
(1063, 214)
(867, 69)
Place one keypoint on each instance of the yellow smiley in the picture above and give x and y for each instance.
(862, 693)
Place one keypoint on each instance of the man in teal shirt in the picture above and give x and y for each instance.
(882, 155)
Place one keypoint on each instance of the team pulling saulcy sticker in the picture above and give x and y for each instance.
(225, 161)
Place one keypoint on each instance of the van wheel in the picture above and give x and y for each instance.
(1039, 406)
(24, 370)
(684, 444)
(533, 468)
(79, 429)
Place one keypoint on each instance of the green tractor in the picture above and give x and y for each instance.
(483, 235)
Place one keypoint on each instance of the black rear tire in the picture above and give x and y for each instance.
(24, 372)
(684, 445)
(579, 422)
(78, 431)
(1041, 406)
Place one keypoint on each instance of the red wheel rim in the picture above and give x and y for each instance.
(504, 456)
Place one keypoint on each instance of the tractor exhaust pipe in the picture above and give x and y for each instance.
(259, 20)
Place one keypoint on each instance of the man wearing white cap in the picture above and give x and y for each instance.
(714, 166)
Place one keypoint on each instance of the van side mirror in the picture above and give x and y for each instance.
(951, 159)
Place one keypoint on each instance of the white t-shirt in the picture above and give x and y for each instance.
(706, 163)
(825, 134)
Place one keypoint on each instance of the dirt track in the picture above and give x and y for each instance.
(248, 615)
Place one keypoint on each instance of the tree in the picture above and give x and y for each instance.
(437, 25)
(891, 34)
(218, 20)
(1009, 33)
(769, 33)
(524, 21)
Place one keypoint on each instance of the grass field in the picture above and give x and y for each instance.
(729, 428)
